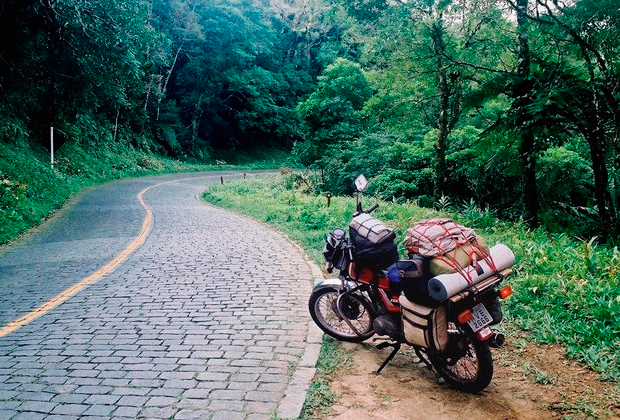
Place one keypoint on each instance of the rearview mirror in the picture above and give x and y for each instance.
(361, 183)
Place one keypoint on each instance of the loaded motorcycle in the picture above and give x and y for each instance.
(446, 318)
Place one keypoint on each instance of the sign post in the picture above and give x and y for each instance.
(52, 145)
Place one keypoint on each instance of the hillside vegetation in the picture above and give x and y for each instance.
(510, 105)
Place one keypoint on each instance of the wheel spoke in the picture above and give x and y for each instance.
(325, 310)
(467, 364)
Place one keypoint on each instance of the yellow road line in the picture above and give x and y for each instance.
(147, 225)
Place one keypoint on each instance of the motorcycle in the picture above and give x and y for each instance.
(385, 296)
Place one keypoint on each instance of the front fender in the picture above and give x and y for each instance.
(329, 283)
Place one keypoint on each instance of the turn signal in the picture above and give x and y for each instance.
(504, 292)
(465, 316)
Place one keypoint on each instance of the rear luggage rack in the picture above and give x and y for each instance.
(482, 286)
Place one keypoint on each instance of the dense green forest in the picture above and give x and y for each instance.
(508, 105)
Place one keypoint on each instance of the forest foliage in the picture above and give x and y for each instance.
(512, 105)
(508, 104)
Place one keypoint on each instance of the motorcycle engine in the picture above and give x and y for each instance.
(387, 325)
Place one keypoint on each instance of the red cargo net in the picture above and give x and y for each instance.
(441, 239)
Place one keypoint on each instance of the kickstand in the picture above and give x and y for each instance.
(396, 347)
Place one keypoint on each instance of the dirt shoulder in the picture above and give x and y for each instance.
(530, 382)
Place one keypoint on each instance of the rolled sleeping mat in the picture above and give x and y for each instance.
(444, 286)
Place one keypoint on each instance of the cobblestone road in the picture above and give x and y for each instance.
(206, 320)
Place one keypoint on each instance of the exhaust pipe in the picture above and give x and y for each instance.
(497, 340)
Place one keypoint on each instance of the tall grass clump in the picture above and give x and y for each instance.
(566, 290)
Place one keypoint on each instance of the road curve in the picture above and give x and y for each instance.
(202, 317)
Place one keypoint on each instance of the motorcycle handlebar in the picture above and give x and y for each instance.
(371, 208)
(359, 210)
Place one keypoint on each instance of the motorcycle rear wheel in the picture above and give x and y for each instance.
(322, 306)
(466, 364)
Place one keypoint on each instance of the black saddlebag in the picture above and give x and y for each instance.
(373, 242)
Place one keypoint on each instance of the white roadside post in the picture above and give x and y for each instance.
(52, 145)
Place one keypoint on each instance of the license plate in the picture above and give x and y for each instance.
(481, 317)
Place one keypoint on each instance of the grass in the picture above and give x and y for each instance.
(332, 360)
(586, 405)
(538, 375)
(567, 291)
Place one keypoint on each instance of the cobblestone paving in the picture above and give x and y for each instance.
(207, 320)
(94, 229)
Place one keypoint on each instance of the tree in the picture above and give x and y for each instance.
(596, 48)
(418, 47)
(314, 33)
(586, 30)
(81, 58)
(232, 82)
(332, 112)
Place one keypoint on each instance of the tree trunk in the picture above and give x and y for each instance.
(596, 141)
(523, 95)
(165, 87)
(616, 173)
(439, 171)
(596, 137)
(197, 115)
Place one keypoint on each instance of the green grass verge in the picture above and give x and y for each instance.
(332, 360)
(566, 291)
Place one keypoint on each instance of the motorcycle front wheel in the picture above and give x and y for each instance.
(355, 308)
(466, 364)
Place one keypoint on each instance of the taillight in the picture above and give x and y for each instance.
(504, 292)
(485, 333)
(465, 316)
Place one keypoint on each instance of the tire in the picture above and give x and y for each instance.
(466, 364)
(322, 306)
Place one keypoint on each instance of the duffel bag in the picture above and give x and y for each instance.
(462, 256)
(369, 231)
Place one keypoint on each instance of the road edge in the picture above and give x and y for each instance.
(295, 394)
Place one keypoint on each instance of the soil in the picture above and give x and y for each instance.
(530, 382)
